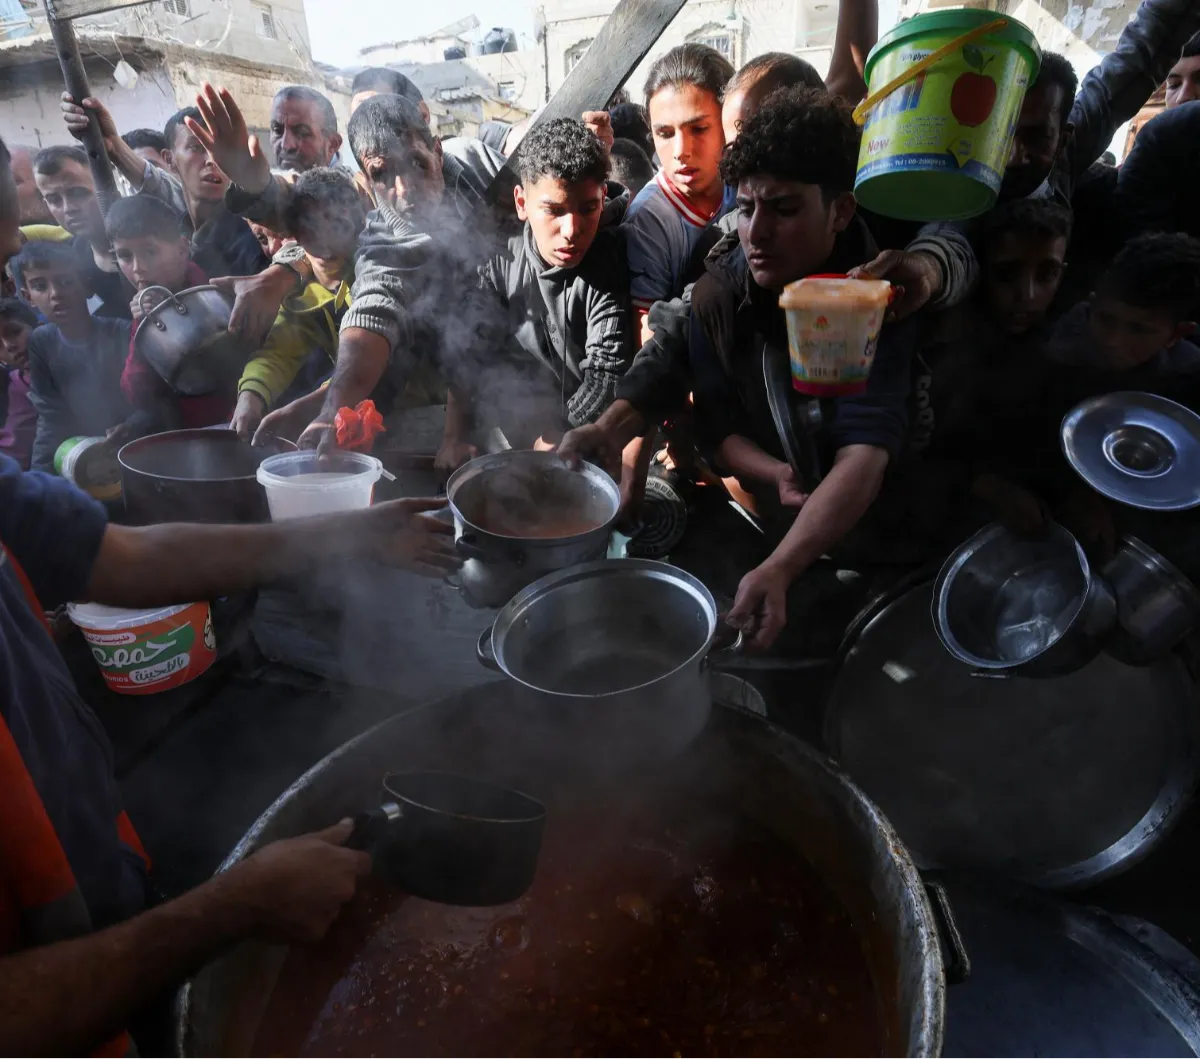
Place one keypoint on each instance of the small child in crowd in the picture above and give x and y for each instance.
(326, 215)
(18, 417)
(153, 251)
(75, 359)
(1138, 322)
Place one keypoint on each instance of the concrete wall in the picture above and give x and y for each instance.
(522, 69)
(757, 26)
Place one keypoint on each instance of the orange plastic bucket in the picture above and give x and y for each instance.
(141, 652)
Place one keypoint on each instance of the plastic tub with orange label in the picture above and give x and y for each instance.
(833, 326)
(141, 652)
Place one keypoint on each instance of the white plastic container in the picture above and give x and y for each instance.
(298, 486)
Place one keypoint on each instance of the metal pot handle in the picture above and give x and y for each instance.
(484, 652)
(954, 953)
(468, 548)
(372, 827)
(167, 296)
(714, 658)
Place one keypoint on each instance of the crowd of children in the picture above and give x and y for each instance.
(614, 291)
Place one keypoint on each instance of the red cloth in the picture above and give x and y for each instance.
(144, 389)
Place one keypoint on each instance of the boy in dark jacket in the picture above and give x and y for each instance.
(564, 286)
(793, 168)
(75, 359)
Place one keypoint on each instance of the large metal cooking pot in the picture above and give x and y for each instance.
(186, 339)
(519, 514)
(199, 475)
(740, 762)
(1157, 606)
(1058, 782)
(1022, 605)
(619, 649)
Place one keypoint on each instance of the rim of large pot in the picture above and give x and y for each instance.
(482, 463)
(274, 447)
(953, 566)
(598, 567)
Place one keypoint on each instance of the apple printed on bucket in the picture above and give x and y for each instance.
(973, 96)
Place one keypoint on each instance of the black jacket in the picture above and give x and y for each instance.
(731, 318)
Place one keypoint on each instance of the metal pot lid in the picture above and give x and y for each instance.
(1057, 782)
(1051, 978)
(1136, 448)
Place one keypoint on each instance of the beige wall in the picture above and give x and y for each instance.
(523, 69)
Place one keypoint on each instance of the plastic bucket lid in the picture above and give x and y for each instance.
(113, 619)
(936, 147)
(299, 470)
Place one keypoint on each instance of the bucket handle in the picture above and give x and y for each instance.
(169, 297)
(918, 68)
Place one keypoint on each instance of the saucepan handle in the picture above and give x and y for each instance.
(469, 549)
(954, 953)
(164, 295)
(715, 657)
(484, 652)
(372, 827)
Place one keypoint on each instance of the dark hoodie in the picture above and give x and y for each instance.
(732, 317)
(572, 326)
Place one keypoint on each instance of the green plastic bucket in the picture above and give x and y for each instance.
(936, 147)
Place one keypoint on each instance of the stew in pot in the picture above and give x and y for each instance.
(633, 940)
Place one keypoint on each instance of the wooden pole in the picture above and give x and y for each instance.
(75, 77)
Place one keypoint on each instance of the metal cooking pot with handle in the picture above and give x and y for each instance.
(519, 514)
(187, 341)
(1157, 606)
(1009, 605)
(619, 650)
(740, 762)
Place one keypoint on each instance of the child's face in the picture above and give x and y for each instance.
(1128, 335)
(1022, 273)
(564, 217)
(14, 341)
(329, 235)
(149, 261)
(56, 292)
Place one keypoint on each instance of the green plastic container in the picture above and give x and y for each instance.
(936, 148)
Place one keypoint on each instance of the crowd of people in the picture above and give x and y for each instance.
(624, 291)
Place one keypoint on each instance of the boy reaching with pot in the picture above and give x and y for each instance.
(152, 251)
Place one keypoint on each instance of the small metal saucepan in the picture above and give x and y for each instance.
(186, 339)
(453, 839)
(1157, 606)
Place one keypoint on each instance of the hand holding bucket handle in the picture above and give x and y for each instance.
(918, 68)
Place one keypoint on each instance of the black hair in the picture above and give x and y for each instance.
(564, 149)
(310, 95)
(772, 71)
(137, 216)
(176, 120)
(43, 253)
(689, 64)
(384, 123)
(1055, 70)
(1158, 271)
(801, 134)
(14, 307)
(1192, 48)
(388, 82)
(143, 138)
(630, 164)
(324, 187)
(631, 122)
(49, 160)
(1028, 216)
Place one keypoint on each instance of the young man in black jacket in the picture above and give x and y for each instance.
(793, 167)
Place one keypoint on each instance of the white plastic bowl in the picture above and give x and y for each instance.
(298, 486)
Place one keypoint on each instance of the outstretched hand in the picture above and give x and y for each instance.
(404, 533)
(227, 139)
(917, 279)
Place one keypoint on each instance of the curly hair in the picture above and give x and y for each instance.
(1039, 217)
(564, 149)
(1159, 271)
(802, 134)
